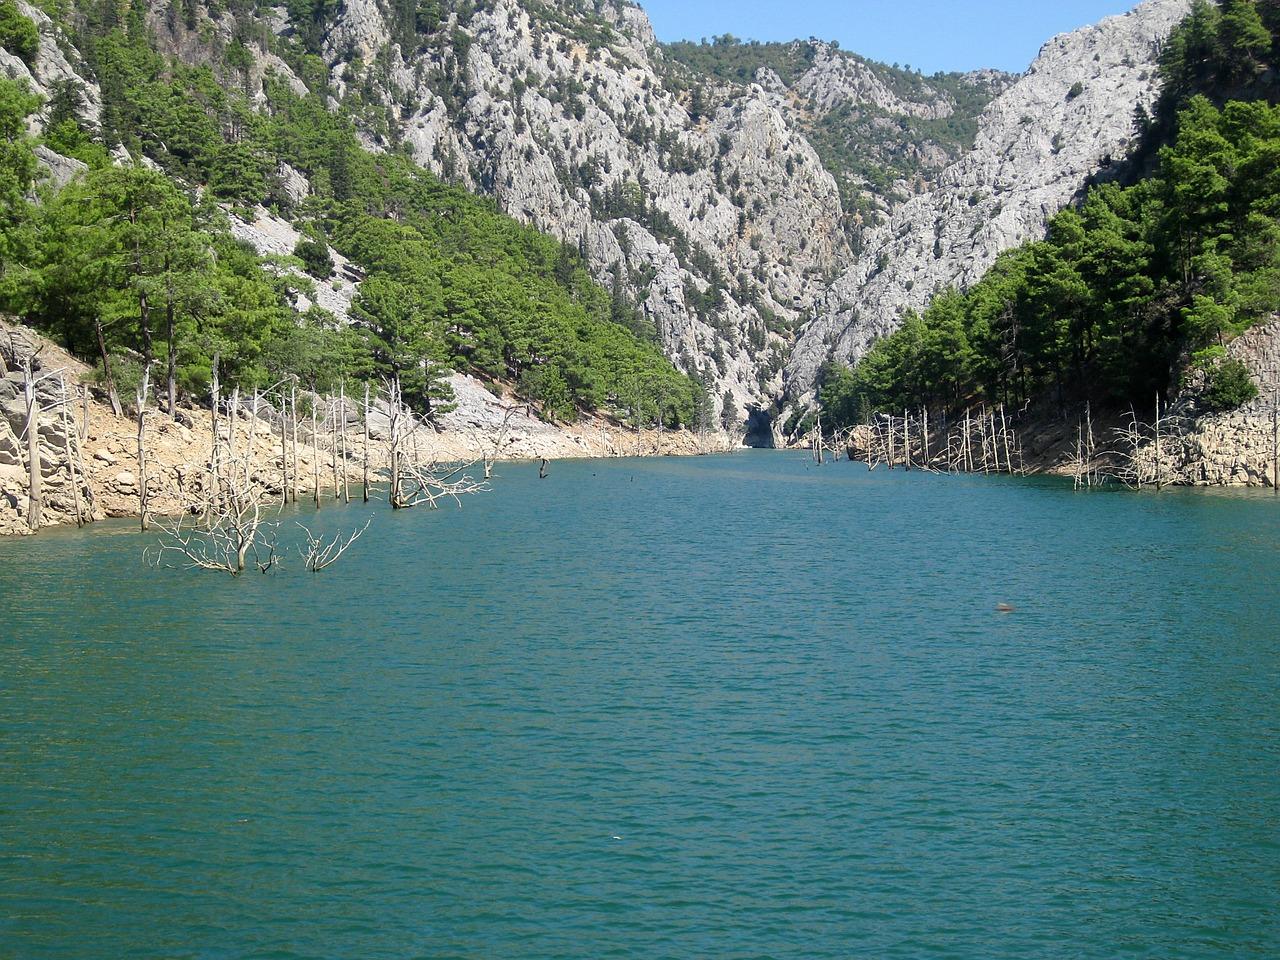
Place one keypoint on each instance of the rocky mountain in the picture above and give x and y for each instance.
(884, 132)
(765, 206)
(723, 208)
(721, 221)
(1038, 144)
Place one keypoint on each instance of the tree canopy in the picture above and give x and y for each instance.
(1121, 293)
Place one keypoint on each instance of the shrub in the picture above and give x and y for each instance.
(315, 257)
(1077, 88)
(1229, 386)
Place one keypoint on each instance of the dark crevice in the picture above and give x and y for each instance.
(759, 429)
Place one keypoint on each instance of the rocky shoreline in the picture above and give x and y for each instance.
(90, 464)
(1194, 446)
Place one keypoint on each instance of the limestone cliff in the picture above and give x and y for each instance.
(1038, 144)
(723, 224)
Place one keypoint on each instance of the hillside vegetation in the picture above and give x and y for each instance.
(133, 264)
(1133, 287)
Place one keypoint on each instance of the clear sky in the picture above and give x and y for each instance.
(930, 34)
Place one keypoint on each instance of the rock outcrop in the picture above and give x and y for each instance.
(1038, 143)
(1238, 448)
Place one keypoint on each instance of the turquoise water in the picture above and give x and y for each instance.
(733, 707)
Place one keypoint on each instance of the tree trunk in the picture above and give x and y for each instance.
(366, 443)
(171, 330)
(144, 306)
(1159, 477)
(233, 414)
(393, 400)
(144, 386)
(1275, 440)
(284, 448)
(333, 445)
(35, 498)
(67, 449)
(342, 414)
(1004, 432)
(293, 418)
(107, 376)
(215, 400)
(906, 439)
(315, 455)
(144, 318)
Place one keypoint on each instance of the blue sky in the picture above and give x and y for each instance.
(929, 34)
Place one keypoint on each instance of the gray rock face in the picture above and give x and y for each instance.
(272, 237)
(724, 226)
(1236, 448)
(54, 63)
(58, 170)
(1038, 143)
(835, 80)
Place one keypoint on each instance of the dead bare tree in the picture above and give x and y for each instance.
(108, 377)
(319, 553)
(45, 395)
(293, 419)
(366, 442)
(70, 446)
(35, 501)
(144, 387)
(417, 483)
(315, 453)
(226, 529)
(490, 443)
(1141, 459)
(342, 416)
(284, 445)
(1275, 431)
(331, 415)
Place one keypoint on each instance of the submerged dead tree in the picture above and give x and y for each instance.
(318, 552)
(229, 527)
(417, 482)
(1143, 448)
(228, 524)
(920, 440)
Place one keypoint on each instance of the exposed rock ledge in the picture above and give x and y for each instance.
(1198, 448)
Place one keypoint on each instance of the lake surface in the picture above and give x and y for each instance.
(736, 707)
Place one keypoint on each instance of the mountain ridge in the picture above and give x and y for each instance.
(709, 202)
